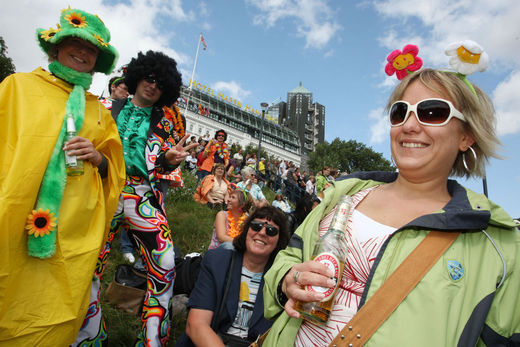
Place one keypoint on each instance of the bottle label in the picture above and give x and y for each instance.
(340, 219)
(332, 262)
(70, 160)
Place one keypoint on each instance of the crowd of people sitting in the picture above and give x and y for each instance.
(219, 171)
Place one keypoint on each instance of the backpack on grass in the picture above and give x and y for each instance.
(187, 270)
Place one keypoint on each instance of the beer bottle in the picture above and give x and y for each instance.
(73, 165)
(330, 250)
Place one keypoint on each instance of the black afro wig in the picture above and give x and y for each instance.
(162, 67)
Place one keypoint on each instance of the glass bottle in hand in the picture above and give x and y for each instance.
(330, 250)
(73, 165)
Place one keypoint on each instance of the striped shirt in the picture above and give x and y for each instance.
(249, 284)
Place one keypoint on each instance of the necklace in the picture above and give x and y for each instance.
(235, 228)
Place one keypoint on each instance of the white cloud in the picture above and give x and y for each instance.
(314, 18)
(388, 83)
(380, 129)
(204, 12)
(329, 53)
(507, 104)
(232, 88)
(134, 27)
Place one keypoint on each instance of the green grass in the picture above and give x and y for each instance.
(268, 193)
(192, 226)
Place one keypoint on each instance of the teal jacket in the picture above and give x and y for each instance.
(481, 308)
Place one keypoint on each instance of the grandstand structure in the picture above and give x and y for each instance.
(207, 110)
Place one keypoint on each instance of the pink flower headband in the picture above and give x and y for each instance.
(403, 63)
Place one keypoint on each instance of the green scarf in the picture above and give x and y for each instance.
(43, 222)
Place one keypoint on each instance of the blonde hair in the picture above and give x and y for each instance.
(477, 109)
(245, 200)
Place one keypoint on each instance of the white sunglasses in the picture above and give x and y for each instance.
(431, 112)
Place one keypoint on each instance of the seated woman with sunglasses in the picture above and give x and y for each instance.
(226, 304)
(439, 127)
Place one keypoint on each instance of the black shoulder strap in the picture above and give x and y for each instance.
(216, 318)
(155, 118)
(117, 106)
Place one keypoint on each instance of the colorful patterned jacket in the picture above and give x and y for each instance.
(160, 140)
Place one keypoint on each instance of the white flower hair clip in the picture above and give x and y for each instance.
(466, 57)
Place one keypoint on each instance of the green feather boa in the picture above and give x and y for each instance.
(54, 180)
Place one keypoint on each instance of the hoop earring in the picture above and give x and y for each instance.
(392, 161)
(474, 159)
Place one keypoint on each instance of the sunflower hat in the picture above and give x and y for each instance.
(86, 26)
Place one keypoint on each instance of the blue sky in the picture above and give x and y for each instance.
(259, 50)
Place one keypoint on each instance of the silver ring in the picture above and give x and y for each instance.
(296, 277)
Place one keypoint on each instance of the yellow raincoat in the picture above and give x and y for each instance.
(43, 301)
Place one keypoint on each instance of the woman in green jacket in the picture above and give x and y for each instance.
(321, 180)
(470, 295)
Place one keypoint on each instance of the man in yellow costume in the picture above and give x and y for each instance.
(52, 226)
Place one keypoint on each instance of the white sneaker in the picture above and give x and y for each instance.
(129, 257)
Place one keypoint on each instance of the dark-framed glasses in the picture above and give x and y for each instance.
(269, 229)
(151, 79)
(431, 112)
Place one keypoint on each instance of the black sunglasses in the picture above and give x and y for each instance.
(432, 112)
(269, 229)
(151, 79)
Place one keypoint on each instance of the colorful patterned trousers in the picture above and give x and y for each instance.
(146, 224)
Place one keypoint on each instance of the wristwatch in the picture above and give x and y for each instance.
(282, 298)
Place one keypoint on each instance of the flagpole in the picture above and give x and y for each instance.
(192, 75)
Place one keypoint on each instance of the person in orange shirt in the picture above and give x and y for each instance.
(214, 189)
(216, 151)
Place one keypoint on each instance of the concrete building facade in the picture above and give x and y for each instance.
(305, 117)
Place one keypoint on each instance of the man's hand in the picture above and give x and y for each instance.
(83, 149)
(179, 152)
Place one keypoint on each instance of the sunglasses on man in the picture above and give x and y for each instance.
(151, 79)
(431, 112)
(269, 229)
